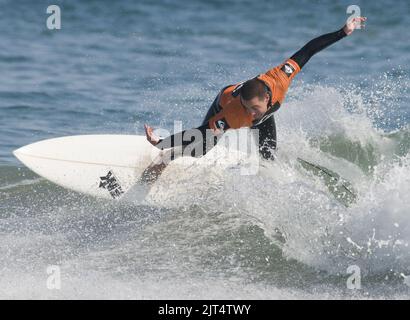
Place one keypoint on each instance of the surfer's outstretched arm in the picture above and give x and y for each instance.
(322, 42)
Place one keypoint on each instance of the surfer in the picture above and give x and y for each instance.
(247, 104)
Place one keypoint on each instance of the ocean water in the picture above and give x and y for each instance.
(208, 232)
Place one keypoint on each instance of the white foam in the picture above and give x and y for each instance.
(320, 231)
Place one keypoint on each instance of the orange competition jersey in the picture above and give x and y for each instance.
(235, 115)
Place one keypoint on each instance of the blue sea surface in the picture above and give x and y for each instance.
(115, 65)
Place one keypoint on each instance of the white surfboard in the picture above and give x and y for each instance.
(105, 166)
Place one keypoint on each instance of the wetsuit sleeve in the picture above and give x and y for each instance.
(195, 142)
(316, 45)
(267, 138)
(183, 138)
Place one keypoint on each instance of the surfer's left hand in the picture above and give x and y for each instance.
(352, 24)
(151, 137)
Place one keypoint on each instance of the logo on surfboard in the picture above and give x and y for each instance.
(110, 183)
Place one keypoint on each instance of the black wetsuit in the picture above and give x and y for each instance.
(267, 127)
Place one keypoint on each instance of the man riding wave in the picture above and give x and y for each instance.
(248, 104)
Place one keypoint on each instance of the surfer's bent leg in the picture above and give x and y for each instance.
(267, 138)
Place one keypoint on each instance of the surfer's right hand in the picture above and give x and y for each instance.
(151, 137)
(352, 24)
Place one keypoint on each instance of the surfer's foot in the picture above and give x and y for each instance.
(151, 174)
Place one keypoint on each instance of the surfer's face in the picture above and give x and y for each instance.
(256, 107)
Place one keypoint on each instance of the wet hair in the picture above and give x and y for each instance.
(253, 88)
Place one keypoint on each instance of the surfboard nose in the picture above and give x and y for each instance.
(25, 154)
(19, 152)
(28, 150)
